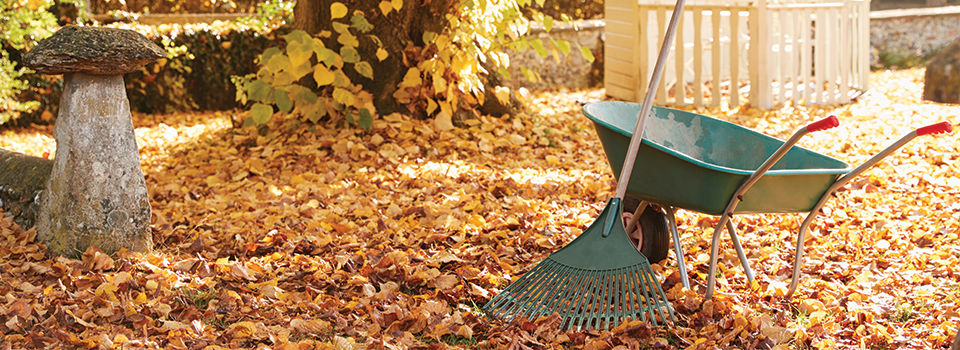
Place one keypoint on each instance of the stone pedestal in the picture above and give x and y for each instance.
(96, 194)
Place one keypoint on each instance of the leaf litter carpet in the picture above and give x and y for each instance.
(310, 237)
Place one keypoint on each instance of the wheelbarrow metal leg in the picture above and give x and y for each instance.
(743, 257)
(677, 246)
(798, 252)
(823, 124)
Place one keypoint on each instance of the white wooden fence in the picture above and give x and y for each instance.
(807, 52)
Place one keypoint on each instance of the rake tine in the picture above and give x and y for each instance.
(530, 290)
(560, 304)
(545, 290)
(580, 299)
(595, 299)
(614, 300)
(617, 314)
(652, 297)
(505, 297)
(637, 304)
(663, 295)
(655, 288)
(647, 296)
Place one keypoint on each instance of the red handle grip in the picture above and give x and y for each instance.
(823, 124)
(937, 128)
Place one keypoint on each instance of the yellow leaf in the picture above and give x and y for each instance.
(439, 84)
(337, 10)
(141, 298)
(382, 54)
(322, 75)
(443, 121)
(412, 78)
(343, 96)
(397, 4)
(386, 7)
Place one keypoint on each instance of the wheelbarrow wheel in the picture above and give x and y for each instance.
(656, 233)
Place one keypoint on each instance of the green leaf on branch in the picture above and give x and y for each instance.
(340, 27)
(349, 54)
(328, 56)
(258, 90)
(359, 22)
(343, 96)
(348, 40)
(268, 54)
(428, 37)
(587, 55)
(539, 48)
(365, 120)
(260, 113)
(563, 46)
(283, 101)
(364, 69)
(278, 62)
(313, 111)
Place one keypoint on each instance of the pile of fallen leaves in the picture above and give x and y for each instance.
(307, 237)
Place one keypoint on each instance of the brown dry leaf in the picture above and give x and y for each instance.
(95, 259)
(446, 282)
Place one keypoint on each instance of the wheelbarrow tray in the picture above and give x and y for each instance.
(696, 162)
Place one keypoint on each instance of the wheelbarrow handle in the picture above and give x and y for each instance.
(823, 124)
(942, 127)
(938, 128)
(737, 197)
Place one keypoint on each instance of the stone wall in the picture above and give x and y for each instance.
(913, 32)
(570, 71)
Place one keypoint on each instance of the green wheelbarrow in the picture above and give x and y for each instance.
(694, 162)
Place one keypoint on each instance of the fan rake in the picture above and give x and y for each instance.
(595, 282)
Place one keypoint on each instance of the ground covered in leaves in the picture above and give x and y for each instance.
(310, 237)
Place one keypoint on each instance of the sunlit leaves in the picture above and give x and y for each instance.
(382, 54)
(364, 69)
(343, 96)
(349, 54)
(283, 101)
(395, 235)
(385, 7)
(411, 78)
(359, 22)
(538, 47)
(337, 10)
(323, 75)
(587, 55)
(260, 113)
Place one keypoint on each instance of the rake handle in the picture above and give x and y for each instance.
(648, 101)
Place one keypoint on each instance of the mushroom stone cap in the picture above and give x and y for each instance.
(92, 50)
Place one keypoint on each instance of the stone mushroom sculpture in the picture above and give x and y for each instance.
(96, 193)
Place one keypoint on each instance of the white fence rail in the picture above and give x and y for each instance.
(813, 53)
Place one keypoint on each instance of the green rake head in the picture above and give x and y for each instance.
(596, 282)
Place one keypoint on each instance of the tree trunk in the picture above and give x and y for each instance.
(22, 178)
(401, 35)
